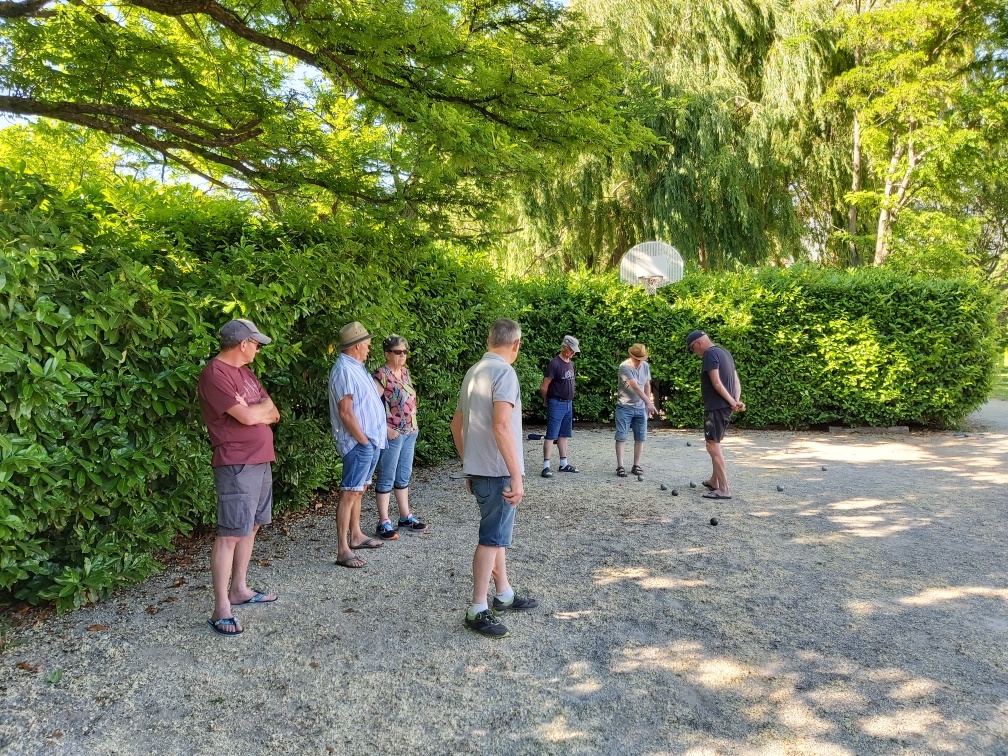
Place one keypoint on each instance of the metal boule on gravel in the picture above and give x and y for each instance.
(692, 484)
(689, 443)
(675, 491)
(713, 520)
(640, 478)
(780, 488)
(824, 468)
(663, 487)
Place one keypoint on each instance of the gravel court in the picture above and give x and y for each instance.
(861, 610)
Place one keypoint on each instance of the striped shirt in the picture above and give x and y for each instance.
(349, 377)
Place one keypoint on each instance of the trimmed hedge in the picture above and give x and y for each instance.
(812, 346)
(110, 300)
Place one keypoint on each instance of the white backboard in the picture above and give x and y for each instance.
(651, 260)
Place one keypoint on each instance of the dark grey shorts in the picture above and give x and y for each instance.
(244, 498)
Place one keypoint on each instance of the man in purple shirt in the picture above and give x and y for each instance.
(557, 390)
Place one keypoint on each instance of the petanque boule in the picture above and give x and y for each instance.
(640, 478)
(713, 520)
(780, 488)
(689, 443)
(692, 484)
(824, 468)
(675, 491)
(663, 487)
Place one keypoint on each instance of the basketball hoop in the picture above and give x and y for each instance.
(650, 283)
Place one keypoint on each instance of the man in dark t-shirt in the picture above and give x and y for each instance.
(557, 390)
(721, 391)
(238, 413)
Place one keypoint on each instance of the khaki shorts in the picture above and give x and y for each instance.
(244, 498)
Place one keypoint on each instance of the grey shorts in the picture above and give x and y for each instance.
(244, 498)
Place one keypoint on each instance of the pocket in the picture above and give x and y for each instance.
(234, 511)
(480, 487)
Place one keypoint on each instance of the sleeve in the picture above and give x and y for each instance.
(218, 392)
(710, 361)
(625, 373)
(506, 387)
(550, 370)
(337, 384)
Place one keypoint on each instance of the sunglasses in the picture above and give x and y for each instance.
(255, 343)
(400, 352)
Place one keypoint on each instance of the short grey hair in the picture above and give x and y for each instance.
(504, 332)
(227, 342)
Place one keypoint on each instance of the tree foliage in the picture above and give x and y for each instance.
(417, 106)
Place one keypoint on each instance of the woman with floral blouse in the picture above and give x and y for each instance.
(395, 465)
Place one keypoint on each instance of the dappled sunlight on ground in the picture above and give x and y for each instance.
(934, 596)
(644, 578)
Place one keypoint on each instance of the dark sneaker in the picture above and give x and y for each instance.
(386, 531)
(517, 603)
(546, 473)
(485, 623)
(412, 525)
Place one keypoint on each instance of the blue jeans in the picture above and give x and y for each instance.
(559, 418)
(496, 515)
(358, 466)
(627, 417)
(395, 465)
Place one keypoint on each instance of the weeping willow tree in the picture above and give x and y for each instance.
(728, 90)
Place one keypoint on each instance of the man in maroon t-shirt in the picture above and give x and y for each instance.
(238, 413)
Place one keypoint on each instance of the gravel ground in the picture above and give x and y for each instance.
(864, 609)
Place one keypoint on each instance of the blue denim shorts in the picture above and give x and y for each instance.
(631, 417)
(496, 515)
(358, 467)
(559, 419)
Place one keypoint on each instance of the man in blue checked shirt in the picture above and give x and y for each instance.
(358, 422)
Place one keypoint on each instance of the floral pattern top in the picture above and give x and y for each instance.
(399, 398)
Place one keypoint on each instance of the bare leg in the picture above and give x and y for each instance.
(383, 505)
(344, 513)
(720, 476)
(484, 563)
(221, 562)
(562, 445)
(638, 451)
(356, 534)
(402, 501)
(547, 449)
(619, 453)
(500, 577)
(240, 592)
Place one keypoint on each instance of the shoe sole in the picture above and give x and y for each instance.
(414, 531)
(505, 609)
(393, 537)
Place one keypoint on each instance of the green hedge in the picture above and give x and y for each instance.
(110, 300)
(812, 346)
(111, 297)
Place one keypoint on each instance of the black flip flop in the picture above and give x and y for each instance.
(226, 622)
(350, 561)
(713, 495)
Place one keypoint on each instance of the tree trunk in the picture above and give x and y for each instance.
(855, 259)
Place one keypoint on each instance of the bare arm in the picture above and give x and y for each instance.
(350, 421)
(504, 436)
(263, 413)
(643, 393)
(456, 430)
(544, 388)
(734, 403)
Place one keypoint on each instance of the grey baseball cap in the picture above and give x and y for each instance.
(241, 329)
(571, 343)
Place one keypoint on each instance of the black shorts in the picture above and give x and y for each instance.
(716, 423)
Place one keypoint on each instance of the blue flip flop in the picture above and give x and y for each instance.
(259, 598)
(225, 622)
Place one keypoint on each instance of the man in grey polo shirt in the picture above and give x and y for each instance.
(357, 416)
(488, 436)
